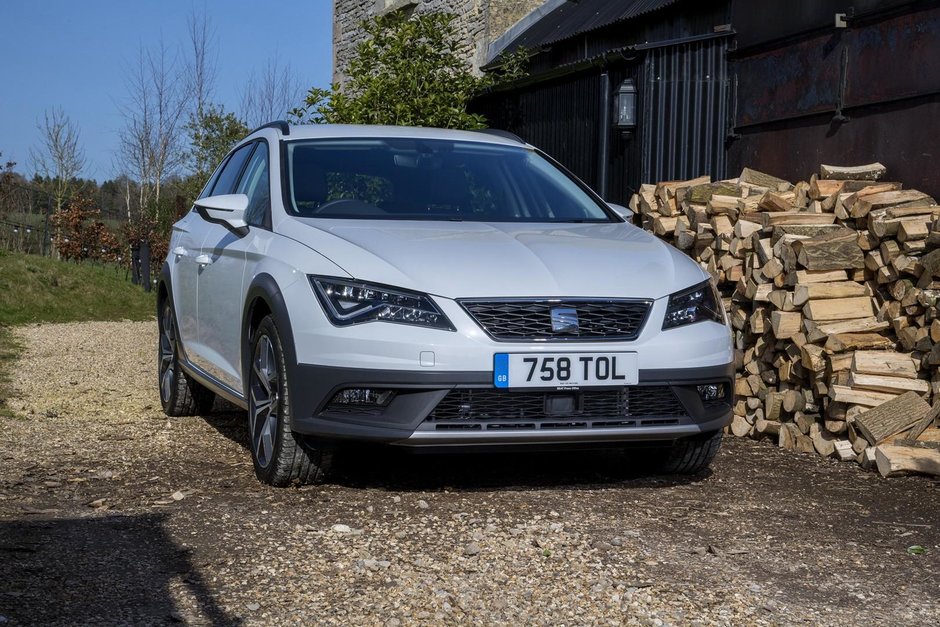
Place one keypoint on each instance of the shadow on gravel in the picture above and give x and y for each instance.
(113, 570)
(393, 468)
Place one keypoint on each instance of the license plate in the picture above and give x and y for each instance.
(560, 370)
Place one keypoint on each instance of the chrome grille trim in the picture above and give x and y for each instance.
(529, 319)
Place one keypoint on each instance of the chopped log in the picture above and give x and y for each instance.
(869, 172)
(769, 219)
(845, 394)
(772, 201)
(912, 229)
(892, 417)
(843, 450)
(740, 427)
(921, 426)
(764, 180)
(895, 461)
(811, 357)
(822, 441)
(804, 421)
(817, 331)
(831, 250)
(771, 427)
(839, 308)
(793, 400)
(819, 291)
(841, 342)
(930, 211)
(787, 436)
(703, 193)
(884, 199)
(785, 324)
(866, 459)
(893, 385)
(820, 189)
(885, 363)
(822, 276)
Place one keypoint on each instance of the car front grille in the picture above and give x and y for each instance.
(470, 409)
(515, 320)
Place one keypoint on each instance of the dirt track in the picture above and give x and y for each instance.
(111, 513)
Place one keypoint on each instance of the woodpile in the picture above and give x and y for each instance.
(831, 287)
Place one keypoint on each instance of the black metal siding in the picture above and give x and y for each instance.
(685, 107)
(560, 117)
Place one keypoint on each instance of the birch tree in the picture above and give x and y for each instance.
(59, 158)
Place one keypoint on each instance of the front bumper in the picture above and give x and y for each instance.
(409, 419)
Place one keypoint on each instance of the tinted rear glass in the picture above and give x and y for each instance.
(423, 179)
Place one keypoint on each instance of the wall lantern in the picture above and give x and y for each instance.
(625, 101)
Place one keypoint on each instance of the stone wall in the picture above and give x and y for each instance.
(478, 23)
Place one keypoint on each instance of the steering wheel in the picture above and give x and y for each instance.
(339, 202)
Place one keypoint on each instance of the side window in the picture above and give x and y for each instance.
(254, 184)
(225, 183)
(212, 179)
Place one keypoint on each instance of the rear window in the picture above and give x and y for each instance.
(424, 179)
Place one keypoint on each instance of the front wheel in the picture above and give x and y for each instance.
(689, 456)
(179, 394)
(281, 457)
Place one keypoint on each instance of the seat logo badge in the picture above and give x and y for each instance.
(565, 320)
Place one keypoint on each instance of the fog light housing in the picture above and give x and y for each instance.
(368, 397)
(712, 392)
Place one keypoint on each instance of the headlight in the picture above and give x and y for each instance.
(695, 304)
(353, 302)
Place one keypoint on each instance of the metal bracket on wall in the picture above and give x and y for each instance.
(839, 117)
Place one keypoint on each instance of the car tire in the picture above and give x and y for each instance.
(691, 455)
(281, 457)
(180, 395)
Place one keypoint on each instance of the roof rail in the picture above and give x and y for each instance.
(280, 125)
(501, 133)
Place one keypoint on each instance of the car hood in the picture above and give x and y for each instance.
(487, 259)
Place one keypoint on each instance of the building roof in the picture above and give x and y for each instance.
(580, 16)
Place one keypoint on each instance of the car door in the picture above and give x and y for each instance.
(185, 241)
(227, 179)
(223, 281)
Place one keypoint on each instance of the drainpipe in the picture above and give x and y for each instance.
(603, 144)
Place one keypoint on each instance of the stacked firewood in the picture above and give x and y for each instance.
(832, 289)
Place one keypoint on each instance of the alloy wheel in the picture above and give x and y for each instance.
(167, 350)
(264, 405)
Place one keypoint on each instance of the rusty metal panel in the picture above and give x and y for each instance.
(901, 135)
(895, 58)
(801, 78)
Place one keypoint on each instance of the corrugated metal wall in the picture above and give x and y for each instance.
(682, 117)
(559, 116)
(685, 95)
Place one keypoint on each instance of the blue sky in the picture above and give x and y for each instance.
(77, 54)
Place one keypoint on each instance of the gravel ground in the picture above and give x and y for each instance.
(110, 513)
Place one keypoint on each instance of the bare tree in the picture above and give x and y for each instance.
(151, 141)
(201, 69)
(270, 94)
(59, 158)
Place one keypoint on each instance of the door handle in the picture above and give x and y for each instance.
(203, 260)
(179, 251)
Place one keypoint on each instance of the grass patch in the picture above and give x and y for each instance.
(42, 289)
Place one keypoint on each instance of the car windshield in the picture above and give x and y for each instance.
(432, 179)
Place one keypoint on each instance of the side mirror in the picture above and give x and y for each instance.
(226, 209)
(623, 212)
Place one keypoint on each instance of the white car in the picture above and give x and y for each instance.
(433, 288)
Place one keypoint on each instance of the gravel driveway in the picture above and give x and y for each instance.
(110, 513)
